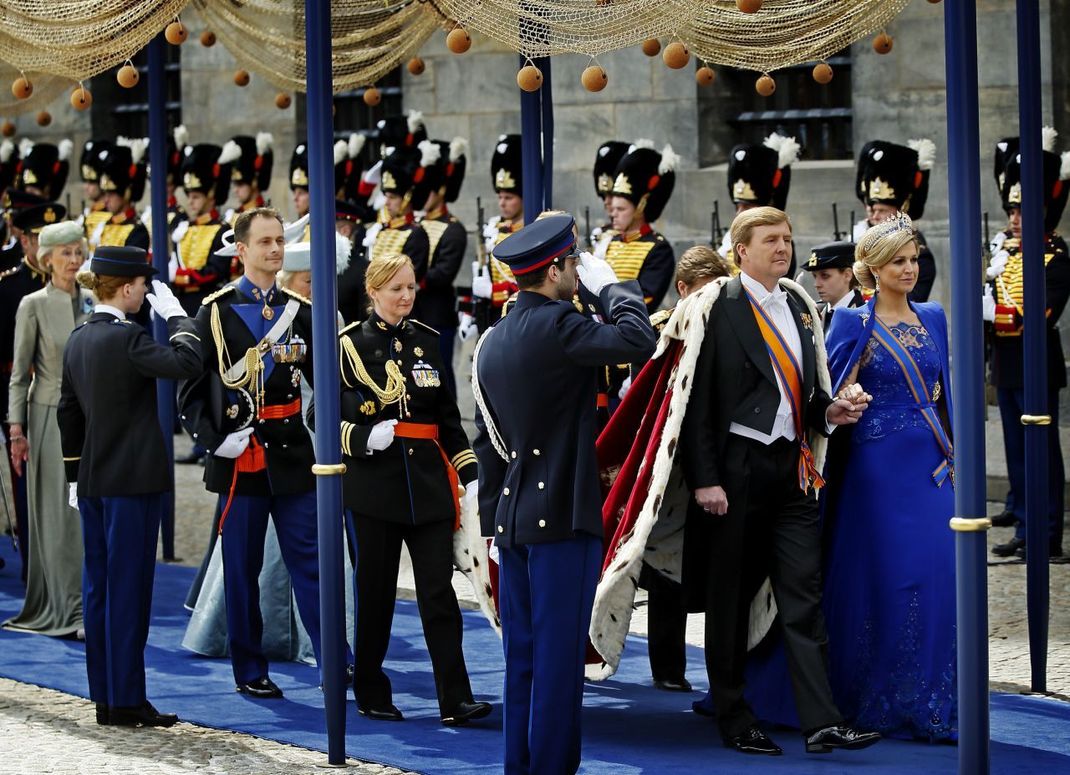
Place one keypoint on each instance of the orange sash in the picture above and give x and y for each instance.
(421, 430)
(787, 368)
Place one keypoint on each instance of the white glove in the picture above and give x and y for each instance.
(997, 264)
(624, 387)
(72, 495)
(481, 284)
(466, 326)
(172, 267)
(988, 305)
(163, 302)
(471, 496)
(492, 550)
(374, 174)
(234, 444)
(382, 435)
(595, 273)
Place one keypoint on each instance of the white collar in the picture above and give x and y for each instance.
(760, 293)
(110, 310)
(845, 302)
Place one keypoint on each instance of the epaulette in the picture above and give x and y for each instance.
(661, 317)
(354, 324)
(298, 296)
(424, 326)
(217, 295)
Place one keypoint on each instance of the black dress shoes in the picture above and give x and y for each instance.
(1004, 519)
(103, 717)
(673, 685)
(839, 736)
(1010, 548)
(262, 689)
(753, 740)
(142, 716)
(1055, 550)
(189, 459)
(384, 713)
(465, 712)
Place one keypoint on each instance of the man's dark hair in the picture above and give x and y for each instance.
(244, 221)
(526, 282)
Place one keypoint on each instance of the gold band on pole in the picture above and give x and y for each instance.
(1036, 419)
(963, 525)
(331, 469)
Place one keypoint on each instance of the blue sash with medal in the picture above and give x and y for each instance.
(920, 392)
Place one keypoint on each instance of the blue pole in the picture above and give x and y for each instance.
(547, 98)
(329, 465)
(161, 253)
(531, 149)
(1034, 341)
(970, 524)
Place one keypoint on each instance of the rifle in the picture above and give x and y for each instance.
(851, 224)
(988, 234)
(715, 225)
(836, 233)
(587, 226)
(478, 307)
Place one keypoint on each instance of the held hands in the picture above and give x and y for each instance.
(481, 284)
(595, 273)
(988, 305)
(72, 495)
(847, 409)
(381, 436)
(163, 302)
(712, 500)
(234, 444)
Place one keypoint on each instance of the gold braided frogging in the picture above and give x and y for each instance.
(393, 393)
(253, 360)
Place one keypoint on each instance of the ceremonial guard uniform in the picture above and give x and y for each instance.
(252, 168)
(606, 160)
(44, 167)
(403, 174)
(447, 243)
(200, 271)
(94, 213)
(897, 176)
(258, 348)
(535, 380)
(506, 171)
(401, 133)
(1005, 285)
(176, 147)
(123, 173)
(645, 178)
(759, 175)
(119, 462)
(407, 493)
(349, 219)
(834, 255)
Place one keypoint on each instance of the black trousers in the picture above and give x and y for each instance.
(666, 625)
(771, 528)
(376, 581)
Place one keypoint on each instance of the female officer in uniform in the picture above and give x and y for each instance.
(118, 469)
(406, 456)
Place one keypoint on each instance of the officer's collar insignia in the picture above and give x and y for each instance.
(418, 352)
(381, 324)
(742, 190)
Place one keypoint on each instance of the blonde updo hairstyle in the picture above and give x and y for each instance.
(381, 269)
(879, 245)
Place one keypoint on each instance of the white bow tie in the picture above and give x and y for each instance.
(778, 296)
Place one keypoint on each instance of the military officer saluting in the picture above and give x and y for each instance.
(642, 185)
(122, 180)
(1004, 307)
(206, 181)
(493, 280)
(891, 179)
(404, 182)
(117, 469)
(606, 160)
(447, 243)
(251, 173)
(832, 264)
(759, 175)
(247, 411)
(539, 490)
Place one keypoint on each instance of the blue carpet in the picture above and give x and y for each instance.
(628, 726)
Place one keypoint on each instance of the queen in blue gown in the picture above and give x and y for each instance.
(890, 566)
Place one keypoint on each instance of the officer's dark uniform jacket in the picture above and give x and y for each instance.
(110, 368)
(1007, 288)
(646, 257)
(548, 488)
(447, 242)
(407, 482)
(210, 411)
(353, 299)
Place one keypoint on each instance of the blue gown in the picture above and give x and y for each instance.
(890, 566)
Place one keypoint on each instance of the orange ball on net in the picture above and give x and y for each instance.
(529, 78)
(882, 44)
(372, 97)
(176, 33)
(765, 85)
(7, 129)
(676, 55)
(207, 38)
(127, 76)
(458, 41)
(704, 76)
(822, 73)
(44, 118)
(749, 6)
(651, 47)
(21, 88)
(282, 100)
(594, 78)
(416, 66)
(241, 77)
(81, 99)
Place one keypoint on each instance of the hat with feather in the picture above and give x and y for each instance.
(646, 178)
(123, 170)
(256, 160)
(896, 175)
(1008, 172)
(760, 174)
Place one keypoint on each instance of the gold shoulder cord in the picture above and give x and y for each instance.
(254, 364)
(393, 392)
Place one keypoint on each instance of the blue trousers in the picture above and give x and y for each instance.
(243, 557)
(120, 537)
(1011, 408)
(546, 595)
